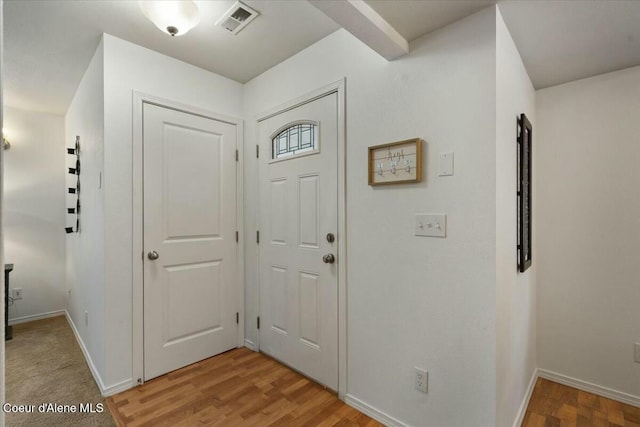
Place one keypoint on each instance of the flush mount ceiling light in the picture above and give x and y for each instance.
(173, 17)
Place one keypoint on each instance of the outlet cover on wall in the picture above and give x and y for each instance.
(637, 352)
(445, 164)
(16, 293)
(421, 380)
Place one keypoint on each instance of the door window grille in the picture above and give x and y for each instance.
(297, 139)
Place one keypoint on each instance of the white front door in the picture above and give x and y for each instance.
(298, 215)
(189, 238)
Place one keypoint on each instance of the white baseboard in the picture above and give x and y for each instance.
(117, 388)
(374, 413)
(525, 401)
(104, 390)
(33, 317)
(620, 396)
(85, 352)
(250, 345)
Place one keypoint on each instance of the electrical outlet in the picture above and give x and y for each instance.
(86, 318)
(421, 380)
(16, 293)
(637, 352)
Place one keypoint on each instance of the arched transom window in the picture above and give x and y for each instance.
(296, 139)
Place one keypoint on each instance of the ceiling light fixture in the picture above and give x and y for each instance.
(174, 17)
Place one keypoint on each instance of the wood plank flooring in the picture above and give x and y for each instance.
(554, 404)
(244, 388)
(237, 388)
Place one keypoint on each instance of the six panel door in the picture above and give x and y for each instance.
(298, 209)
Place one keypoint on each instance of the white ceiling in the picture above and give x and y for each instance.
(414, 18)
(48, 44)
(562, 41)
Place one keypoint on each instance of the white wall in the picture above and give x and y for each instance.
(128, 68)
(588, 152)
(34, 211)
(515, 292)
(85, 250)
(412, 301)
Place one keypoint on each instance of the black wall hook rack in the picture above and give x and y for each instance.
(75, 151)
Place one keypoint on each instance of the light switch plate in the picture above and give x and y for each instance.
(637, 352)
(445, 164)
(432, 225)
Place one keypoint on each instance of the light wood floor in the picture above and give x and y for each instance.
(237, 388)
(244, 388)
(554, 404)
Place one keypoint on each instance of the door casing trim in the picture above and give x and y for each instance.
(139, 99)
(338, 87)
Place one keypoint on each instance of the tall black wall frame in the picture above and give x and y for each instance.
(525, 136)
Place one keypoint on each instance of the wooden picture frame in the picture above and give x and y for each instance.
(525, 136)
(396, 163)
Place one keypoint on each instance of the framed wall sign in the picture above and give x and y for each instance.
(524, 193)
(396, 162)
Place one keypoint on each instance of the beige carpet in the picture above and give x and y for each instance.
(44, 364)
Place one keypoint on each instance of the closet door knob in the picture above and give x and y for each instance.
(153, 255)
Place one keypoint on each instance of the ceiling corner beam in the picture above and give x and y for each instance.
(366, 24)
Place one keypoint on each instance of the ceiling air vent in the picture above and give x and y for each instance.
(236, 18)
